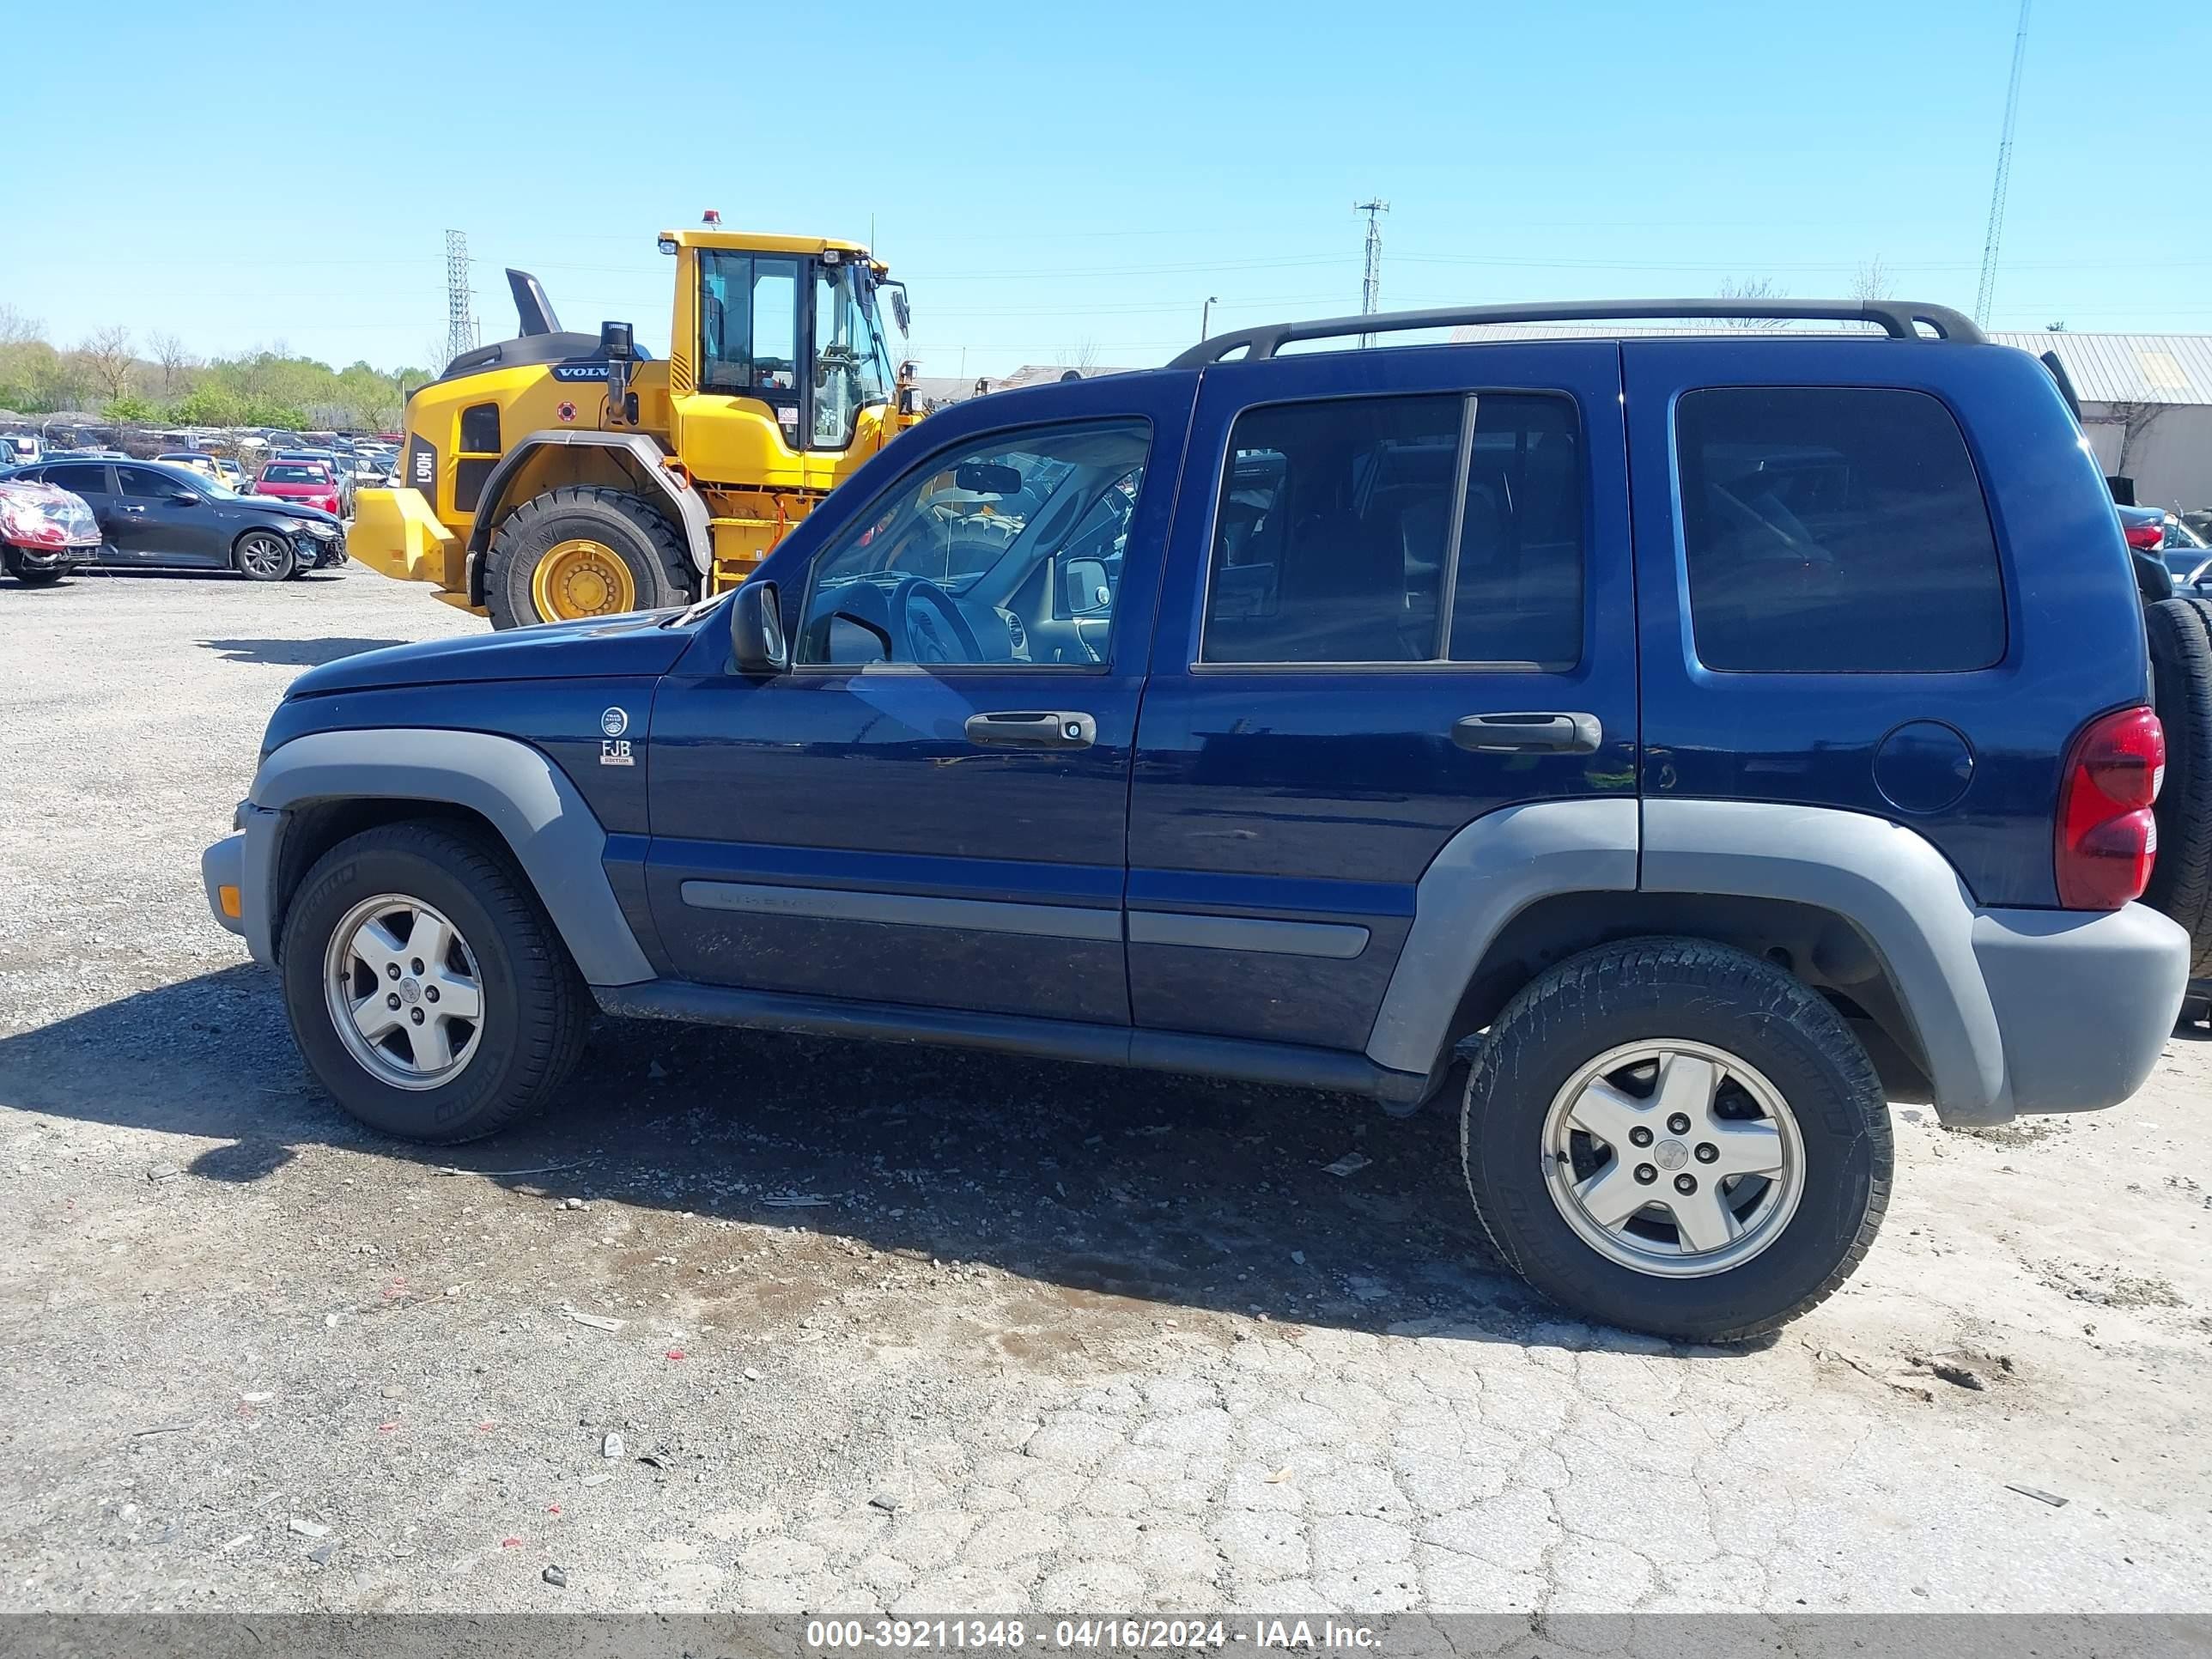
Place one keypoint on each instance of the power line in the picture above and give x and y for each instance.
(1988, 289)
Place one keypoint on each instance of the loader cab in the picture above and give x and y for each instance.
(780, 369)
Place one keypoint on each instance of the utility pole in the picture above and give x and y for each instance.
(461, 327)
(1205, 313)
(1371, 287)
(1988, 291)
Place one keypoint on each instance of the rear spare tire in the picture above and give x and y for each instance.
(583, 551)
(2180, 634)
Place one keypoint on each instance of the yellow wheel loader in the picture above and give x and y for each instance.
(558, 475)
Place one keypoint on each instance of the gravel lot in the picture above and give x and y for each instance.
(913, 1330)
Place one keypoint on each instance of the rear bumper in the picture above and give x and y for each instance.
(2084, 1003)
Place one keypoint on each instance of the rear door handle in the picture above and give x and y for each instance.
(1045, 728)
(1512, 734)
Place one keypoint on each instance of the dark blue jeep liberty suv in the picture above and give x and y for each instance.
(1697, 740)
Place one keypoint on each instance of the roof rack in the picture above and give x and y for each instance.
(1899, 320)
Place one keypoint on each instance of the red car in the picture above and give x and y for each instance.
(298, 481)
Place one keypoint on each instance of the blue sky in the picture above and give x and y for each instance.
(1059, 181)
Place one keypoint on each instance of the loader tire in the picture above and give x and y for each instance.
(584, 551)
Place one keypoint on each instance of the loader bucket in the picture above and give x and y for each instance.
(394, 532)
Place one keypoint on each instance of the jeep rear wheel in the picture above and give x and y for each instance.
(426, 986)
(1675, 1137)
(575, 553)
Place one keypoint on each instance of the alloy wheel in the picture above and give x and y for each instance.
(404, 991)
(1672, 1158)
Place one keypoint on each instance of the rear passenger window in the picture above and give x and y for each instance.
(1337, 528)
(1833, 529)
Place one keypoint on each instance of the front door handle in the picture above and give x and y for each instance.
(1515, 734)
(1045, 728)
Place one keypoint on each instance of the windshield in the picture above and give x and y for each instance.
(293, 472)
(852, 366)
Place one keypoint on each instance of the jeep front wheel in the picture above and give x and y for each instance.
(426, 986)
(579, 552)
(1676, 1137)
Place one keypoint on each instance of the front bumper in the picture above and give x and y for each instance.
(2084, 1003)
(244, 863)
(52, 558)
(223, 873)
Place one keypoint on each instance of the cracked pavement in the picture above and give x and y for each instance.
(921, 1331)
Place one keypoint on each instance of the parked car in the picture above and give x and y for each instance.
(1699, 734)
(152, 514)
(231, 476)
(199, 460)
(339, 467)
(311, 482)
(18, 448)
(44, 532)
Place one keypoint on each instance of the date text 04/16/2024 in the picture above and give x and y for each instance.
(834, 1635)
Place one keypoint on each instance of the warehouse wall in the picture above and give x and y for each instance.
(2170, 462)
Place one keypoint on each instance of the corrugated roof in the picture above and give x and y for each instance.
(2125, 369)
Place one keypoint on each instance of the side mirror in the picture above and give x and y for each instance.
(615, 342)
(900, 309)
(184, 497)
(1085, 584)
(756, 641)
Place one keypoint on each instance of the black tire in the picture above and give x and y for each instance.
(1695, 991)
(30, 577)
(2180, 635)
(535, 1003)
(263, 556)
(631, 528)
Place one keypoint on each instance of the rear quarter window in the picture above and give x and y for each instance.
(1835, 529)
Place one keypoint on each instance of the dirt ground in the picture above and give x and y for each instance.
(760, 1323)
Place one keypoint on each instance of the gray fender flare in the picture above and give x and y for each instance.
(1887, 881)
(547, 825)
(1487, 874)
(688, 505)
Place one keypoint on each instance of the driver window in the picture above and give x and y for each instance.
(972, 557)
(142, 484)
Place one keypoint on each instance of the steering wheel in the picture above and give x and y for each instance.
(927, 627)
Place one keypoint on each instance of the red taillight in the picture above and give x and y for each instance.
(2107, 837)
(2148, 538)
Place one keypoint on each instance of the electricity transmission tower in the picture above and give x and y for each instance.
(1371, 286)
(1988, 289)
(461, 327)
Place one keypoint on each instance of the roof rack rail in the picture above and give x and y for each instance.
(1899, 319)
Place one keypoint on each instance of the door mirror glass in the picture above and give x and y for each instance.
(757, 643)
(1085, 589)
